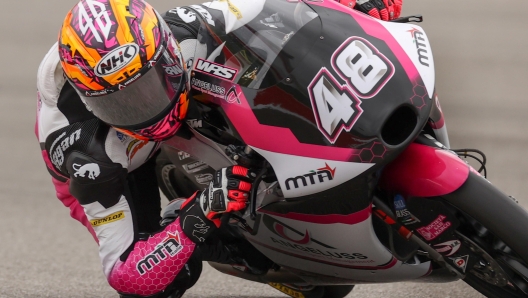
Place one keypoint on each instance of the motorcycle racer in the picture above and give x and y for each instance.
(109, 92)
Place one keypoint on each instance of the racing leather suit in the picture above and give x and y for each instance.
(108, 179)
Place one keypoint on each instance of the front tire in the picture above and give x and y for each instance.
(495, 226)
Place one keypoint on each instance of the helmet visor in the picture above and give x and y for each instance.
(143, 99)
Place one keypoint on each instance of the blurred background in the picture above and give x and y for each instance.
(482, 78)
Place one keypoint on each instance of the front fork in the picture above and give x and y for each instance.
(420, 174)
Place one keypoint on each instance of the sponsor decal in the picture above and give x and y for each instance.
(421, 46)
(305, 239)
(288, 291)
(204, 178)
(195, 166)
(313, 177)
(199, 229)
(448, 248)
(183, 155)
(434, 229)
(168, 247)
(232, 96)
(194, 123)
(334, 255)
(92, 169)
(208, 88)
(189, 16)
(108, 219)
(362, 66)
(98, 16)
(251, 75)
(173, 70)
(61, 144)
(116, 59)
(461, 262)
(121, 136)
(97, 93)
(129, 81)
(403, 214)
(273, 21)
(233, 9)
(217, 70)
(336, 108)
(133, 147)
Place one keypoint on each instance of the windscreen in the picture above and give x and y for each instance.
(262, 40)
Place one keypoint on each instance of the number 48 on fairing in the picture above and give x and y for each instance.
(364, 69)
(336, 108)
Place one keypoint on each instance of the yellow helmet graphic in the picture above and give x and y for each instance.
(125, 65)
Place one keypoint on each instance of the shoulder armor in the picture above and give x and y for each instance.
(95, 181)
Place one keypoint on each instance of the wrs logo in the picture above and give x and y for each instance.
(216, 70)
(116, 60)
(312, 178)
(169, 247)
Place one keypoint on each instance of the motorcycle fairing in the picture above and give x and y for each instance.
(415, 43)
(437, 123)
(310, 175)
(423, 171)
(302, 242)
(277, 114)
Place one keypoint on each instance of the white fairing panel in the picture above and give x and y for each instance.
(415, 43)
(338, 248)
(301, 176)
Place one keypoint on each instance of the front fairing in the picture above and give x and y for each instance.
(311, 108)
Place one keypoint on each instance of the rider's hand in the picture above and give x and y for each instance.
(228, 192)
(381, 9)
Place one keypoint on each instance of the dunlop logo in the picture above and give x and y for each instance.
(108, 219)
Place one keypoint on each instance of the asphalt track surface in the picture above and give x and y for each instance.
(482, 77)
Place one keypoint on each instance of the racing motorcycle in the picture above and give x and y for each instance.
(357, 183)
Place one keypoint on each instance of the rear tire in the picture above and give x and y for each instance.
(337, 291)
(498, 227)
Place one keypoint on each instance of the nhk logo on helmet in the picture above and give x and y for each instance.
(116, 60)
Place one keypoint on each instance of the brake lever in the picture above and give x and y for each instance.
(415, 18)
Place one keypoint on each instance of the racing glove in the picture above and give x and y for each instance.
(381, 9)
(229, 191)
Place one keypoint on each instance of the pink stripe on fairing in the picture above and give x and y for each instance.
(76, 210)
(125, 276)
(373, 27)
(276, 139)
(423, 171)
(348, 219)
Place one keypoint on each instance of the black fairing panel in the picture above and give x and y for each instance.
(288, 103)
(386, 118)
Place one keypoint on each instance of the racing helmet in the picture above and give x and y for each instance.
(121, 58)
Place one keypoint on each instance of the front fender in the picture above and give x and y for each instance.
(424, 171)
